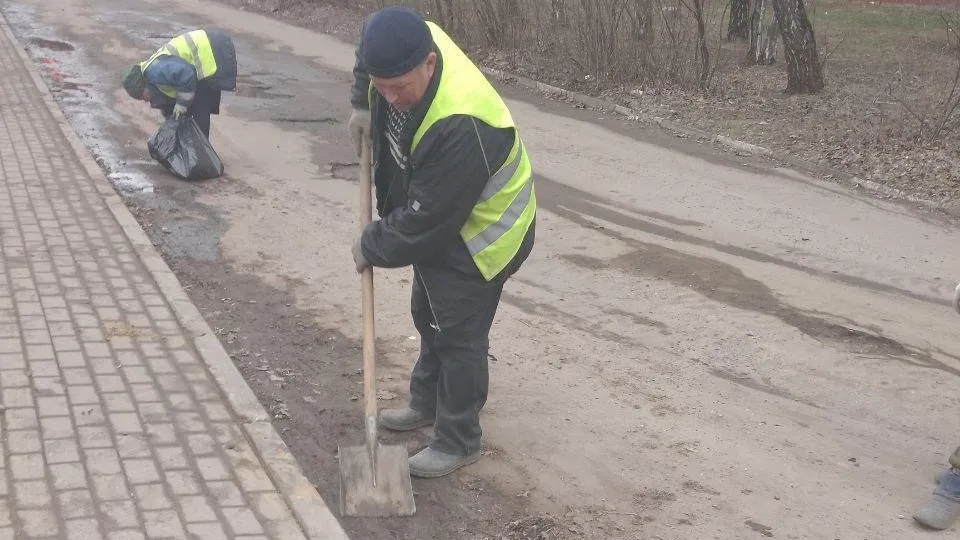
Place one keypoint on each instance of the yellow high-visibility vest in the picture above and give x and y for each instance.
(193, 47)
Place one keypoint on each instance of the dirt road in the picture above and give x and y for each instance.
(701, 346)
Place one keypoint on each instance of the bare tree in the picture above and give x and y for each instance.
(935, 120)
(738, 28)
(559, 9)
(703, 52)
(598, 32)
(672, 28)
(763, 34)
(598, 42)
(489, 22)
(804, 70)
(641, 21)
(448, 16)
(514, 20)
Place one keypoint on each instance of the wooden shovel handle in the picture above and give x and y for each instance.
(366, 278)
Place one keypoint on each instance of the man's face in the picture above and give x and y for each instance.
(407, 90)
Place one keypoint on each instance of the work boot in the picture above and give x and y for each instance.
(405, 419)
(943, 509)
(430, 463)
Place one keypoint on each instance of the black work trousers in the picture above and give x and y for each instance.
(453, 313)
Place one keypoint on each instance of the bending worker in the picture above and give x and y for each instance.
(456, 201)
(186, 76)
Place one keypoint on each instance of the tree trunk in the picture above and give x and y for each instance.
(704, 52)
(804, 71)
(489, 23)
(453, 14)
(739, 27)
(642, 18)
(763, 34)
(559, 10)
(513, 23)
(446, 16)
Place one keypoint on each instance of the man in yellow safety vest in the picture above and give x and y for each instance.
(456, 200)
(186, 76)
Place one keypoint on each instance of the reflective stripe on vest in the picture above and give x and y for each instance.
(485, 226)
(194, 48)
(500, 219)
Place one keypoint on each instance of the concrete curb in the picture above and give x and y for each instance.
(840, 177)
(310, 510)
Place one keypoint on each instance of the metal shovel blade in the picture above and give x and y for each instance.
(392, 492)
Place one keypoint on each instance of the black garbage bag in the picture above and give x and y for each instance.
(184, 150)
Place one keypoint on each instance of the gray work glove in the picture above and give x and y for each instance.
(359, 128)
(179, 110)
(358, 258)
(184, 99)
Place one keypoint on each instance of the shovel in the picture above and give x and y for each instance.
(375, 478)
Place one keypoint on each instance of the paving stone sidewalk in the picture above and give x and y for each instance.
(118, 422)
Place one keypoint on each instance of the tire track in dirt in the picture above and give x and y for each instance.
(566, 200)
(727, 284)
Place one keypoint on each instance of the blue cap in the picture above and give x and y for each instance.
(395, 40)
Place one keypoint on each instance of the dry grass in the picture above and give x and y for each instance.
(120, 329)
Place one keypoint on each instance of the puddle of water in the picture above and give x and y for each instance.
(343, 171)
(252, 87)
(51, 44)
(260, 92)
